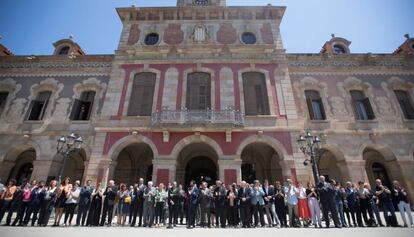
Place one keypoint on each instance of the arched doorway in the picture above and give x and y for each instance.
(198, 162)
(134, 162)
(260, 161)
(201, 169)
(328, 166)
(23, 166)
(75, 166)
(378, 167)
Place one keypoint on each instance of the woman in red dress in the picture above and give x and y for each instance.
(304, 211)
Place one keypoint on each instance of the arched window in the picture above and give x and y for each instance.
(315, 105)
(248, 38)
(152, 39)
(379, 172)
(198, 91)
(339, 49)
(256, 101)
(3, 100)
(82, 107)
(38, 106)
(362, 106)
(140, 103)
(64, 50)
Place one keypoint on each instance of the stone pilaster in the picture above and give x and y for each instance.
(228, 168)
(164, 170)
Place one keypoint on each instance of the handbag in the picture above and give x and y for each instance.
(128, 200)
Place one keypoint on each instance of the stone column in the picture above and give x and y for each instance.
(42, 169)
(230, 170)
(164, 170)
(287, 167)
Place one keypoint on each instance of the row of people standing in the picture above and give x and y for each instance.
(245, 205)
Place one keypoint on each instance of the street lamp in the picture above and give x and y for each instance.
(65, 146)
(310, 146)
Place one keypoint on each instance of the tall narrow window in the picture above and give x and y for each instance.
(82, 107)
(3, 100)
(405, 103)
(362, 106)
(255, 94)
(38, 106)
(142, 94)
(315, 105)
(198, 91)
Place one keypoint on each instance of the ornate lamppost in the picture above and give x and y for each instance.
(310, 146)
(65, 146)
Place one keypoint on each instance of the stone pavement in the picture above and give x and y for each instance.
(199, 232)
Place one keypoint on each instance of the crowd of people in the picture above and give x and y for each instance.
(244, 205)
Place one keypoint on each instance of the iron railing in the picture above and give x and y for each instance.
(197, 117)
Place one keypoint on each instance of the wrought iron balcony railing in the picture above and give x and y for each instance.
(197, 117)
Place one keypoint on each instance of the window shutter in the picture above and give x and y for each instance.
(322, 108)
(43, 110)
(368, 108)
(29, 110)
(310, 108)
(74, 114)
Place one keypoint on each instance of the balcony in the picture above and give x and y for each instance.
(206, 118)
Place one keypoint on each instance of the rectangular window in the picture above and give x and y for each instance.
(315, 105)
(198, 91)
(82, 107)
(405, 103)
(362, 106)
(140, 103)
(3, 100)
(39, 105)
(256, 101)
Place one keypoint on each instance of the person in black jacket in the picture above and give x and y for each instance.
(192, 205)
(327, 197)
(95, 207)
(138, 200)
(220, 204)
(84, 203)
(110, 194)
(245, 206)
(174, 194)
(269, 202)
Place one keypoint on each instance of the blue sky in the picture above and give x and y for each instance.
(377, 26)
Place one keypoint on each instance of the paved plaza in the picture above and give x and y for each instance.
(199, 232)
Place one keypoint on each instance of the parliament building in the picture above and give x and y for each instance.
(206, 90)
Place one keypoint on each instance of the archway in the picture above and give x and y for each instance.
(260, 161)
(198, 162)
(200, 169)
(328, 166)
(22, 165)
(134, 162)
(75, 166)
(378, 167)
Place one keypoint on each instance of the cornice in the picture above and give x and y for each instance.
(48, 65)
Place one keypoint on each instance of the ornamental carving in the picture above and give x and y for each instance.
(173, 34)
(227, 34)
(338, 106)
(15, 115)
(200, 34)
(384, 106)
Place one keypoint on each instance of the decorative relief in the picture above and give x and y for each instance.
(61, 111)
(227, 34)
(15, 115)
(134, 34)
(384, 107)
(200, 34)
(173, 34)
(338, 106)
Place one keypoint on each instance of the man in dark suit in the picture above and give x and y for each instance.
(174, 194)
(245, 206)
(84, 203)
(327, 196)
(220, 202)
(192, 205)
(110, 194)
